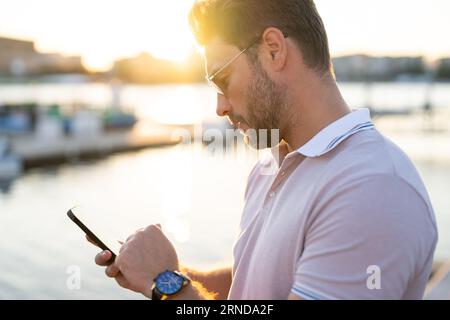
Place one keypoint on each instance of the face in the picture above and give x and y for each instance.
(265, 105)
(251, 100)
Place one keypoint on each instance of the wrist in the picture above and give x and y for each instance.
(168, 284)
(187, 293)
(148, 291)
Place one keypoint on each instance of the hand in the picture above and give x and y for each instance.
(142, 257)
(103, 259)
(112, 271)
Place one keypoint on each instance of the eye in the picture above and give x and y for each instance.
(222, 82)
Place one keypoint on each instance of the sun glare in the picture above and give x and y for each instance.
(105, 32)
(102, 32)
(160, 29)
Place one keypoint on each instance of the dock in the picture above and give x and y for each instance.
(35, 151)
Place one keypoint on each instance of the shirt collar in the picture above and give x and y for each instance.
(331, 136)
(335, 133)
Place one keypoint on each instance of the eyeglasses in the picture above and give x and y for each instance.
(211, 79)
(220, 87)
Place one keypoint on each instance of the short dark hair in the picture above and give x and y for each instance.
(239, 22)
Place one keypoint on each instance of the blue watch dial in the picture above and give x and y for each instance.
(169, 282)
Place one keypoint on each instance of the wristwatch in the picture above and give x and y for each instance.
(168, 283)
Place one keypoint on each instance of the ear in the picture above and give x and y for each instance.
(274, 48)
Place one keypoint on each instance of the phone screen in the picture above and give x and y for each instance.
(96, 228)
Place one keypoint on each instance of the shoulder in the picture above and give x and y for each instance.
(367, 156)
(368, 179)
(374, 207)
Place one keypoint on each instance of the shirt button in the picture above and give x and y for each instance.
(282, 173)
(272, 194)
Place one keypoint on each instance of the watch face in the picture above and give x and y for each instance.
(169, 283)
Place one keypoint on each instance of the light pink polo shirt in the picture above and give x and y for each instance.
(346, 216)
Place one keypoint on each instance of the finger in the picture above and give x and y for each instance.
(103, 258)
(130, 238)
(112, 270)
(122, 248)
(91, 241)
(122, 281)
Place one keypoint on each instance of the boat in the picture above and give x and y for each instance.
(10, 164)
(47, 135)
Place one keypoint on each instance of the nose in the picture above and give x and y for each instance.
(223, 105)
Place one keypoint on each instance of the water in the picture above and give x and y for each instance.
(171, 186)
(193, 103)
(195, 195)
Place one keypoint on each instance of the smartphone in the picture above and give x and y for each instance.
(94, 229)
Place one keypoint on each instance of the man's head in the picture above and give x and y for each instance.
(254, 49)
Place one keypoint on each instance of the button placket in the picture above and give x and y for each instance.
(284, 171)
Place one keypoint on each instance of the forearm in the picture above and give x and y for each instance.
(216, 282)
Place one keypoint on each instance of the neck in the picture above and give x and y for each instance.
(314, 104)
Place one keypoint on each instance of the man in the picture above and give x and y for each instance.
(344, 216)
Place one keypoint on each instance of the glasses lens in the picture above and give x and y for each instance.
(216, 87)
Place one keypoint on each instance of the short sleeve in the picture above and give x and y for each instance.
(368, 239)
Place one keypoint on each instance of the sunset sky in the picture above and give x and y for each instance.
(102, 31)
